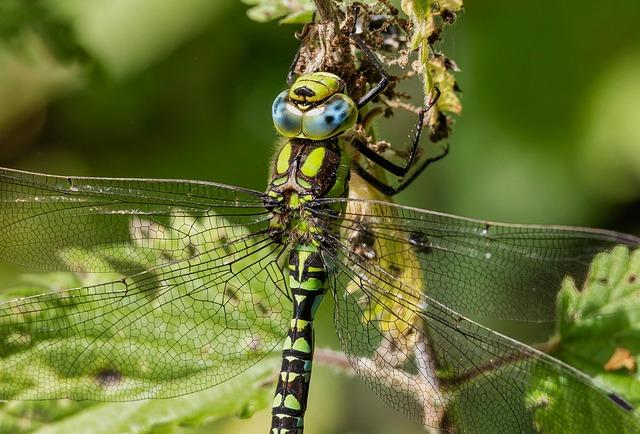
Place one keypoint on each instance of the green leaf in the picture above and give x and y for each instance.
(556, 400)
(288, 12)
(603, 318)
(41, 363)
(240, 397)
(597, 332)
(435, 68)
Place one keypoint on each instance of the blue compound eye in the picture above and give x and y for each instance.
(287, 118)
(333, 117)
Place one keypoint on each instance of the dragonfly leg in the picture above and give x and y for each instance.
(291, 74)
(381, 85)
(389, 190)
(401, 171)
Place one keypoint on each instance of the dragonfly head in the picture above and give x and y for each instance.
(314, 108)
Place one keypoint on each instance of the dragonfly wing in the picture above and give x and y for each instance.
(480, 269)
(168, 331)
(206, 301)
(449, 372)
(126, 225)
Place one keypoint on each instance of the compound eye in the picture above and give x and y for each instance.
(287, 118)
(335, 116)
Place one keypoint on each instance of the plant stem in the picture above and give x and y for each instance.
(326, 11)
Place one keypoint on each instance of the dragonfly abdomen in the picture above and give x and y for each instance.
(307, 277)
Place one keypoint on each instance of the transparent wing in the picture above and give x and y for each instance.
(210, 301)
(55, 223)
(479, 269)
(449, 372)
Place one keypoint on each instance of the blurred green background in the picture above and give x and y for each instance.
(550, 130)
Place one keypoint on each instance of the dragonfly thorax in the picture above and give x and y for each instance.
(304, 171)
(314, 107)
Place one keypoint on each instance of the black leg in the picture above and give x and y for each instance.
(291, 74)
(373, 181)
(389, 190)
(387, 164)
(400, 171)
(381, 85)
(405, 182)
(384, 77)
(413, 154)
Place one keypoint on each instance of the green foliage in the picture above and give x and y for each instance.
(437, 71)
(597, 332)
(107, 360)
(49, 48)
(41, 17)
(593, 324)
(603, 318)
(239, 397)
(288, 12)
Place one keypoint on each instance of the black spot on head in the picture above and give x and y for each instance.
(304, 91)
(108, 377)
(420, 242)
(603, 280)
(328, 120)
(632, 279)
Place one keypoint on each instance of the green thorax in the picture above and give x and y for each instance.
(304, 171)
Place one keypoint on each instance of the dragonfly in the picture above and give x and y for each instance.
(219, 276)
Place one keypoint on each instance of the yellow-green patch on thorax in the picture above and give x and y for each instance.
(282, 163)
(305, 170)
(313, 163)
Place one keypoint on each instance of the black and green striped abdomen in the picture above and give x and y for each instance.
(307, 276)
